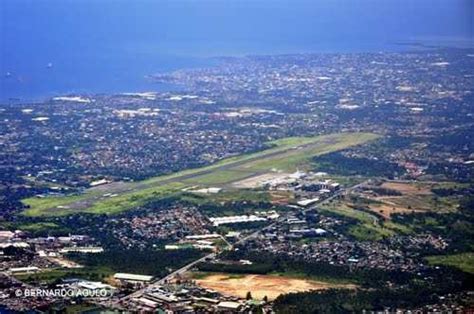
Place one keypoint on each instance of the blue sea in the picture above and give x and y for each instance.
(57, 47)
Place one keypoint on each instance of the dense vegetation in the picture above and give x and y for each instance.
(457, 227)
(459, 172)
(343, 301)
(265, 263)
(457, 141)
(337, 163)
(376, 288)
(150, 262)
(13, 189)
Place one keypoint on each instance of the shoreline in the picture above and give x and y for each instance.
(406, 46)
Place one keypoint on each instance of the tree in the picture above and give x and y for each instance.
(249, 296)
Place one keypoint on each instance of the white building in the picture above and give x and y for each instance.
(133, 278)
(308, 202)
(235, 219)
(29, 269)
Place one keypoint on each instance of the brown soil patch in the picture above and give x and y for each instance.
(408, 188)
(64, 262)
(387, 210)
(416, 197)
(262, 285)
(280, 197)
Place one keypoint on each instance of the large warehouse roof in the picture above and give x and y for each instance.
(132, 277)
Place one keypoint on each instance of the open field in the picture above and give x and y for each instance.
(97, 204)
(369, 226)
(408, 188)
(463, 261)
(415, 197)
(219, 177)
(285, 154)
(227, 196)
(37, 227)
(387, 209)
(263, 285)
(51, 275)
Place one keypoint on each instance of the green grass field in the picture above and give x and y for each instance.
(37, 226)
(51, 275)
(227, 196)
(369, 227)
(40, 205)
(286, 154)
(49, 206)
(219, 177)
(463, 261)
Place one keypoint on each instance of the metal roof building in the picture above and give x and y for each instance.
(132, 277)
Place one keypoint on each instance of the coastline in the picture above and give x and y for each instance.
(132, 78)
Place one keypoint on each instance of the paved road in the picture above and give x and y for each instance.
(212, 256)
(159, 282)
(184, 269)
(282, 218)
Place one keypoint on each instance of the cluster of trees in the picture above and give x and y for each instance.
(458, 141)
(459, 172)
(337, 163)
(383, 191)
(234, 268)
(265, 263)
(457, 227)
(415, 293)
(377, 289)
(445, 192)
(13, 189)
(466, 205)
(150, 262)
(350, 301)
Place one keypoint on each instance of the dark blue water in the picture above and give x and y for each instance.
(106, 46)
(109, 72)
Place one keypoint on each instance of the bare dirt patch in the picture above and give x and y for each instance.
(263, 285)
(415, 197)
(386, 210)
(280, 197)
(64, 262)
(408, 188)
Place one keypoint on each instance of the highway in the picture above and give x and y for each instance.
(159, 282)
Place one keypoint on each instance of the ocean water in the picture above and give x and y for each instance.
(56, 47)
(34, 80)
